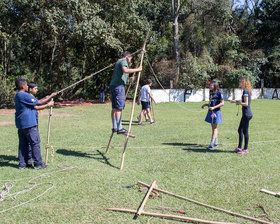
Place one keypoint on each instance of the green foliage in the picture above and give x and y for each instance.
(57, 43)
(232, 78)
(6, 91)
(196, 72)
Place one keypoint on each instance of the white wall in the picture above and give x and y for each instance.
(197, 95)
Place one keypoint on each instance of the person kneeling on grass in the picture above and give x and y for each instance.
(214, 115)
(245, 84)
(26, 122)
(145, 97)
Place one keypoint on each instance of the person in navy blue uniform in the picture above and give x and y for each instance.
(33, 89)
(214, 115)
(243, 129)
(26, 122)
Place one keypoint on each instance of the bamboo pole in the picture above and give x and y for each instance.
(109, 142)
(207, 206)
(48, 136)
(133, 104)
(176, 217)
(141, 207)
(271, 193)
(138, 63)
(153, 110)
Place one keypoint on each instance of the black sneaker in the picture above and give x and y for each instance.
(42, 166)
(122, 131)
(153, 122)
(114, 130)
(22, 167)
(141, 124)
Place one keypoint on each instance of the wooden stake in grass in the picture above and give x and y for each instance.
(153, 111)
(271, 193)
(141, 207)
(207, 206)
(176, 217)
(48, 136)
(133, 104)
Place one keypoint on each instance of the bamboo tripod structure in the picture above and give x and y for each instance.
(134, 99)
(207, 206)
(145, 199)
(140, 211)
(48, 137)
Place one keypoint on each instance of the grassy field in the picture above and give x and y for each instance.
(173, 152)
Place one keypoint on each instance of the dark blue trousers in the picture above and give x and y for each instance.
(29, 137)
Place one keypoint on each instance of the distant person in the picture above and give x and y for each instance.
(33, 89)
(145, 97)
(26, 122)
(214, 115)
(102, 92)
(245, 85)
(117, 84)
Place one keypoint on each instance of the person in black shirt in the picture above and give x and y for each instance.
(243, 130)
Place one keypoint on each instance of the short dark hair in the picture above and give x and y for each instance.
(127, 54)
(19, 83)
(148, 81)
(31, 85)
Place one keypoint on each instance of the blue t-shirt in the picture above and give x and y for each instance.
(25, 115)
(215, 99)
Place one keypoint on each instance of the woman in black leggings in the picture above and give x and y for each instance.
(243, 130)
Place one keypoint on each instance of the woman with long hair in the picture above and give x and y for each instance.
(243, 130)
(214, 115)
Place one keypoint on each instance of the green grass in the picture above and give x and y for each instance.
(173, 151)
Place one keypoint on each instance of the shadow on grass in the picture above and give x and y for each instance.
(6, 161)
(195, 147)
(99, 156)
(126, 122)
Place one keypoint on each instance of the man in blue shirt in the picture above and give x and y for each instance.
(26, 122)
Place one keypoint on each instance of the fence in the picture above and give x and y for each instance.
(197, 95)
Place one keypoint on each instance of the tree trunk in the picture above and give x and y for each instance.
(5, 58)
(175, 12)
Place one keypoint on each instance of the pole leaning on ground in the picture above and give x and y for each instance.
(48, 136)
(133, 104)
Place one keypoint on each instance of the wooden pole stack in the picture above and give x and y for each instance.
(133, 104)
(207, 206)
